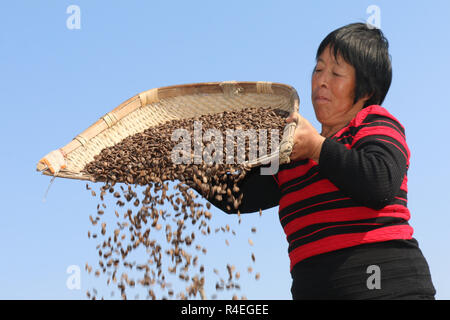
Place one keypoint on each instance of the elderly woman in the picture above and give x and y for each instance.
(343, 198)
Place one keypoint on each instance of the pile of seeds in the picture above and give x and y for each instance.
(167, 217)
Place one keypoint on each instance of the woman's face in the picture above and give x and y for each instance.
(332, 90)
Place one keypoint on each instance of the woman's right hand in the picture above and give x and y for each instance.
(307, 140)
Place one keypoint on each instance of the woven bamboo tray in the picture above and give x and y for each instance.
(156, 106)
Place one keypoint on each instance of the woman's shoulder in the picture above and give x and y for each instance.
(375, 113)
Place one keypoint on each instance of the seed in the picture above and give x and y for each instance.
(143, 159)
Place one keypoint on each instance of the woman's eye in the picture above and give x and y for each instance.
(317, 70)
(336, 74)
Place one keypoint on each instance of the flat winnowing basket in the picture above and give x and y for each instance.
(156, 106)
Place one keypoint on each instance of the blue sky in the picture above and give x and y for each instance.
(55, 82)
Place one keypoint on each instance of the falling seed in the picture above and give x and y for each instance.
(142, 160)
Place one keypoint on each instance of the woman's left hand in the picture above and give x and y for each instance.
(307, 141)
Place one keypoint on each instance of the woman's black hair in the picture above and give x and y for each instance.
(366, 49)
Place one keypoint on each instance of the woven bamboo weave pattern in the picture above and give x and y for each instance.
(156, 106)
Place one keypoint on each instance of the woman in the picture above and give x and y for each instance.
(343, 198)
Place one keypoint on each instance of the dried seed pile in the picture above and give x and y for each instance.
(167, 217)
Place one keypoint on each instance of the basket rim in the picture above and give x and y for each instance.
(157, 94)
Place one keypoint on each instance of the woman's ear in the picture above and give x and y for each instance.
(363, 100)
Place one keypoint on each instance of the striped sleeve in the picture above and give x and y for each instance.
(372, 167)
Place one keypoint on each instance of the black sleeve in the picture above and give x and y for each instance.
(260, 192)
(371, 173)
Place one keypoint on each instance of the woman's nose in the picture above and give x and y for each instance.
(322, 79)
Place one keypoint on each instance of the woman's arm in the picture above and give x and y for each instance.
(371, 175)
(371, 172)
(259, 192)
(371, 169)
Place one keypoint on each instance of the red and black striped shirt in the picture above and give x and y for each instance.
(357, 193)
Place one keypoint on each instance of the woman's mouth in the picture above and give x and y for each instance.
(321, 99)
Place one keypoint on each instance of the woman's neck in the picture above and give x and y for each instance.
(328, 132)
